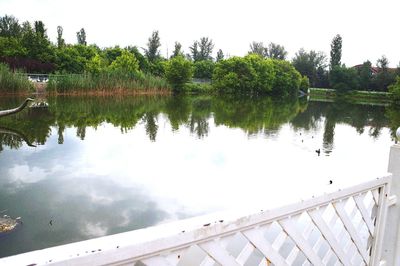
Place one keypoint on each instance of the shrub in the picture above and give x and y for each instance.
(178, 71)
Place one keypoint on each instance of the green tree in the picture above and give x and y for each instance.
(336, 51)
(365, 76)
(9, 27)
(152, 52)
(69, 60)
(125, 63)
(202, 50)
(203, 69)
(258, 48)
(383, 78)
(287, 79)
(36, 42)
(313, 65)
(343, 79)
(144, 65)
(12, 47)
(276, 51)
(178, 71)
(96, 65)
(60, 40)
(40, 29)
(177, 50)
(394, 89)
(220, 55)
(81, 37)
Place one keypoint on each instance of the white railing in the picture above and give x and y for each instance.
(346, 227)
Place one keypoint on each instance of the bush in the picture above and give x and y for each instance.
(395, 91)
(253, 74)
(343, 79)
(304, 84)
(203, 69)
(178, 71)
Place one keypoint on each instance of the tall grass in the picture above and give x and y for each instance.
(107, 82)
(13, 82)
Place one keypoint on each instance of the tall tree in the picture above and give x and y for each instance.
(152, 52)
(313, 65)
(177, 50)
(9, 27)
(60, 40)
(384, 77)
(258, 48)
(40, 29)
(365, 75)
(336, 51)
(220, 55)
(202, 50)
(81, 36)
(276, 51)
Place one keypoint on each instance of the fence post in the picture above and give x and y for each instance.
(391, 243)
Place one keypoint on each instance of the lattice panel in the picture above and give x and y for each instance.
(338, 232)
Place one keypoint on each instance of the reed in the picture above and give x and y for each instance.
(13, 83)
(105, 82)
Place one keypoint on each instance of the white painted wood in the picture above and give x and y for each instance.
(265, 247)
(364, 214)
(245, 254)
(351, 230)
(148, 244)
(302, 243)
(156, 261)
(218, 253)
(329, 236)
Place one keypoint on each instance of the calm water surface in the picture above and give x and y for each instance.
(107, 165)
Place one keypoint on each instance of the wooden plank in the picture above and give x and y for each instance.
(300, 241)
(218, 253)
(328, 235)
(265, 247)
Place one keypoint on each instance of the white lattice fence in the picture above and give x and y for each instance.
(340, 230)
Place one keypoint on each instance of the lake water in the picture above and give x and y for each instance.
(108, 165)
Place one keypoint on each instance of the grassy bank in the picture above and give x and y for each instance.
(11, 83)
(106, 83)
(353, 96)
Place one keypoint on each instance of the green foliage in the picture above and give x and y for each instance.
(199, 88)
(259, 49)
(178, 71)
(202, 50)
(177, 50)
(96, 65)
(394, 89)
(304, 84)
(220, 55)
(365, 76)
(81, 37)
(125, 63)
(9, 27)
(203, 69)
(384, 78)
(311, 64)
(336, 51)
(144, 65)
(276, 51)
(152, 52)
(253, 74)
(13, 82)
(105, 82)
(12, 47)
(343, 79)
(68, 60)
(60, 39)
(287, 79)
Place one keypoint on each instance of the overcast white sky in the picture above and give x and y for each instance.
(369, 28)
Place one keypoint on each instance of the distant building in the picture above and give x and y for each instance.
(375, 70)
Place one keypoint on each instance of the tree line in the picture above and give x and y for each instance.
(27, 46)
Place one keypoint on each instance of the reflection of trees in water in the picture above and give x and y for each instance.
(357, 116)
(260, 115)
